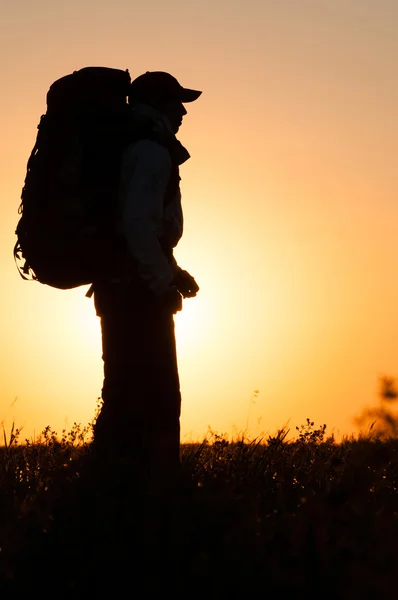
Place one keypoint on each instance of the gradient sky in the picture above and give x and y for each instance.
(290, 203)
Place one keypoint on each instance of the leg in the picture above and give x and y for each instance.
(141, 393)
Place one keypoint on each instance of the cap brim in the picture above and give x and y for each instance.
(189, 95)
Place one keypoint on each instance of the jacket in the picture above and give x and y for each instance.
(150, 213)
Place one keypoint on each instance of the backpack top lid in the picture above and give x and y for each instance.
(102, 86)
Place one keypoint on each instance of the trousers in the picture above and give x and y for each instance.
(140, 414)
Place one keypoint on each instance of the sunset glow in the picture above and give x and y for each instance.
(290, 206)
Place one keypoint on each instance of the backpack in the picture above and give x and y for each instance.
(67, 234)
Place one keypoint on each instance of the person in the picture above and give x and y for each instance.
(141, 400)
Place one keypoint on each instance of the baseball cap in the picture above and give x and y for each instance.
(162, 86)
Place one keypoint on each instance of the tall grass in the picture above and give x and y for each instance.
(309, 517)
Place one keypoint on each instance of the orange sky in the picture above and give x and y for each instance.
(290, 203)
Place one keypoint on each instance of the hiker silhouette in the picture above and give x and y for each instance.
(140, 415)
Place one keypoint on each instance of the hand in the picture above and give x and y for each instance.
(171, 300)
(186, 284)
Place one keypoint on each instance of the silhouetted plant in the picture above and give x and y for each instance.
(298, 515)
(381, 421)
(308, 435)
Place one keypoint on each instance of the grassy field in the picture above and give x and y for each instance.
(309, 518)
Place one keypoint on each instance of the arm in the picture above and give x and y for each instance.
(145, 175)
